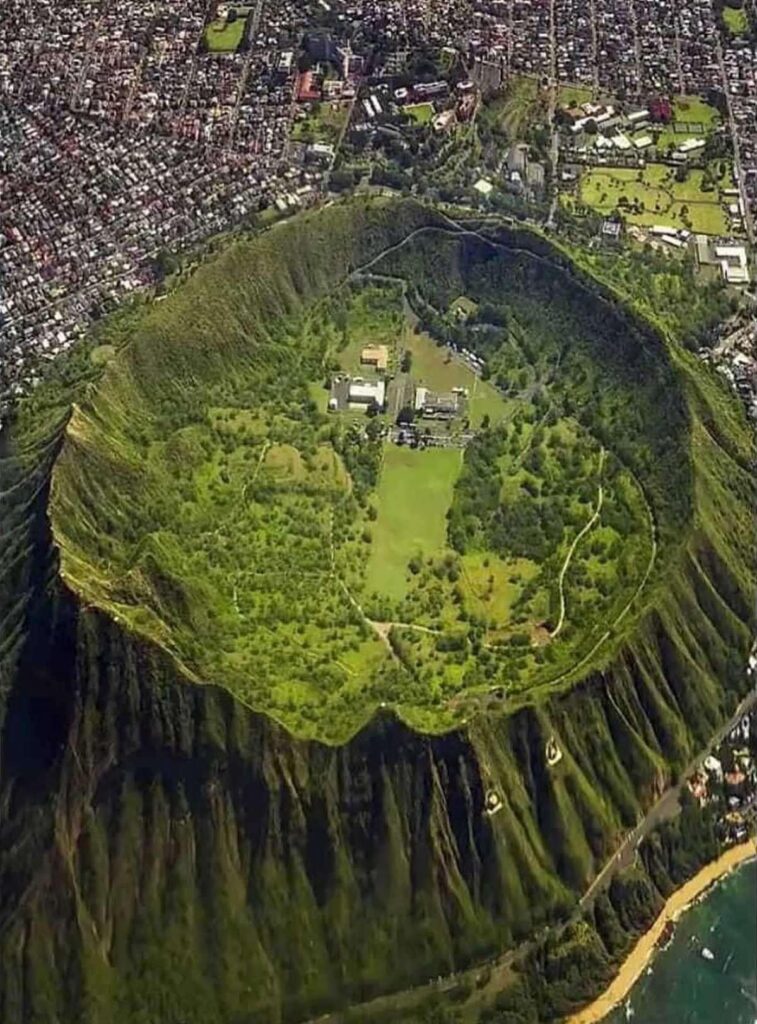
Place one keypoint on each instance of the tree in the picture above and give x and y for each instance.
(407, 361)
(375, 429)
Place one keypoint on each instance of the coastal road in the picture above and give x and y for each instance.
(500, 967)
(665, 808)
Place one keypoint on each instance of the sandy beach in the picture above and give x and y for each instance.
(637, 960)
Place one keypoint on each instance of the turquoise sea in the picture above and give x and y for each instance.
(685, 988)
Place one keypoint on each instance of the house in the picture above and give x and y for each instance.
(307, 88)
(363, 393)
(638, 115)
(691, 146)
(436, 405)
(426, 90)
(442, 122)
(516, 158)
(323, 152)
(375, 355)
(484, 187)
(611, 229)
(705, 257)
(734, 264)
(535, 175)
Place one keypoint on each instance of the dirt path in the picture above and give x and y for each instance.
(256, 470)
(576, 541)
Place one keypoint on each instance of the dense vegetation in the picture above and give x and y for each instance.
(167, 852)
(204, 497)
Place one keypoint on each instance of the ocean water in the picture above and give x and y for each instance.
(683, 987)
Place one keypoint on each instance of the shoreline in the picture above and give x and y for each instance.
(677, 903)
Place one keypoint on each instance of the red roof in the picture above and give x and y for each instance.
(306, 88)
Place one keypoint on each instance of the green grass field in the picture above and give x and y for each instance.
(573, 95)
(323, 123)
(695, 109)
(736, 20)
(463, 306)
(224, 37)
(413, 495)
(421, 113)
(654, 197)
(102, 354)
(491, 586)
(511, 112)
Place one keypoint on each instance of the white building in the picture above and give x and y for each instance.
(366, 392)
(734, 263)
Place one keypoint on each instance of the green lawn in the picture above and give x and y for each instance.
(463, 305)
(414, 493)
(655, 199)
(224, 38)
(736, 20)
(573, 95)
(421, 113)
(324, 123)
(511, 112)
(485, 400)
(693, 108)
(102, 354)
(435, 367)
(491, 584)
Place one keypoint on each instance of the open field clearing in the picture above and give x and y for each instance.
(421, 113)
(653, 196)
(413, 495)
(323, 123)
(225, 37)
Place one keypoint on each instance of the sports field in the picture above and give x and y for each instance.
(653, 196)
(421, 113)
(573, 95)
(414, 493)
(694, 109)
(224, 37)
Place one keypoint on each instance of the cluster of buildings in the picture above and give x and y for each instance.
(378, 389)
(735, 356)
(727, 778)
(123, 133)
(601, 129)
(437, 102)
(739, 67)
(629, 51)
